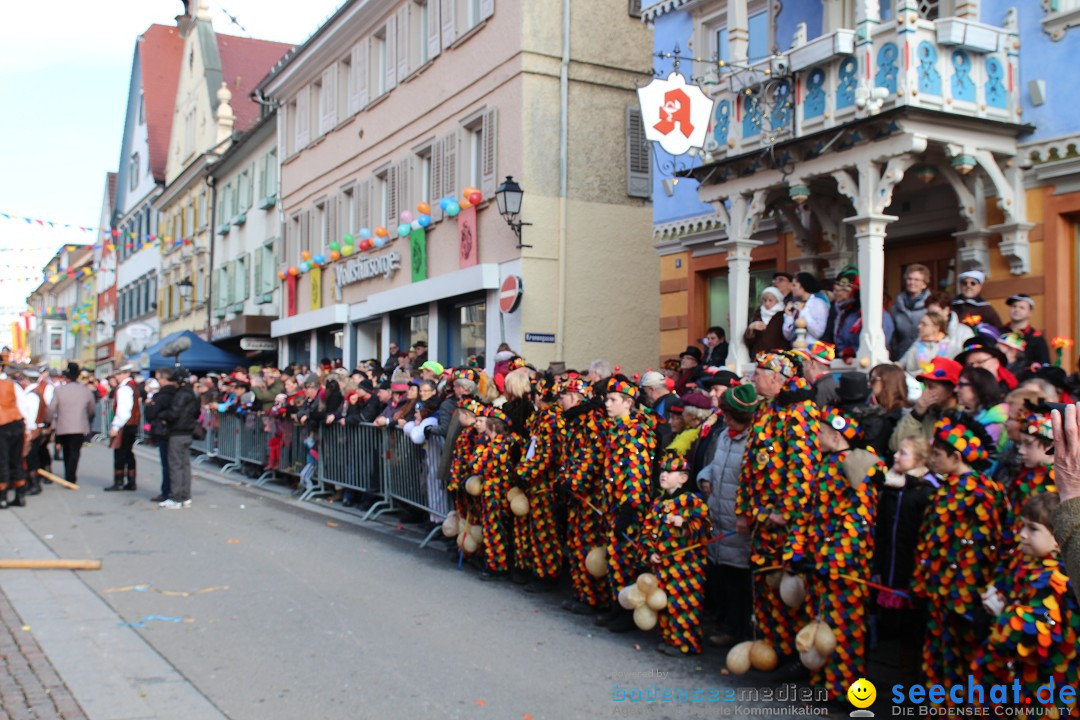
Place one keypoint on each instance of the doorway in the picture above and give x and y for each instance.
(937, 253)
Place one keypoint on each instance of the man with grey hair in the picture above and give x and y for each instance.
(599, 370)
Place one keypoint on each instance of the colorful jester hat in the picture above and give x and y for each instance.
(965, 435)
(493, 413)
(623, 386)
(1038, 424)
(821, 352)
(777, 362)
(471, 405)
(842, 423)
(673, 462)
(574, 384)
(516, 363)
(467, 374)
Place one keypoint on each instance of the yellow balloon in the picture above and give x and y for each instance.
(645, 617)
(513, 493)
(763, 657)
(596, 562)
(477, 534)
(657, 600)
(470, 545)
(646, 583)
(520, 505)
(450, 524)
(624, 598)
(635, 596)
(473, 486)
(738, 658)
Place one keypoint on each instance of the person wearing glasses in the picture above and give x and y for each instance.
(970, 301)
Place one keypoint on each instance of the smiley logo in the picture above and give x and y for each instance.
(862, 693)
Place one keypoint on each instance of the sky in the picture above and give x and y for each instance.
(64, 72)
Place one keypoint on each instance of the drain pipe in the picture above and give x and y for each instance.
(564, 132)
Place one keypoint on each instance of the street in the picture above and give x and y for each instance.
(248, 605)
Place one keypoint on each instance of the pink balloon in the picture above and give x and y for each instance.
(406, 216)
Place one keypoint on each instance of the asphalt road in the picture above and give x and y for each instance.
(305, 614)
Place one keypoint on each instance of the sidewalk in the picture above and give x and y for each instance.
(29, 685)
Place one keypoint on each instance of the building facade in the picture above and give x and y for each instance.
(875, 133)
(63, 307)
(104, 262)
(392, 105)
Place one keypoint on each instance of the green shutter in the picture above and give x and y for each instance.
(259, 284)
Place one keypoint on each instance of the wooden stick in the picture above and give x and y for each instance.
(54, 564)
(58, 480)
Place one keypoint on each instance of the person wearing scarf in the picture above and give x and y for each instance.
(766, 331)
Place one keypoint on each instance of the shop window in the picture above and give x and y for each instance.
(469, 332)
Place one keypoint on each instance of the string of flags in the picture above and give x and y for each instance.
(49, 223)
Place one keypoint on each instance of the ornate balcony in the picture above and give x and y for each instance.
(951, 65)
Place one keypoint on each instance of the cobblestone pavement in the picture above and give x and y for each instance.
(29, 686)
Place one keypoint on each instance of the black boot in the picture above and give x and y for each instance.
(118, 481)
(20, 497)
(130, 485)
(34, 486)
(3, 499)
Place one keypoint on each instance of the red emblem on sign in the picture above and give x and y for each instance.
(675, 111)
(510, 294)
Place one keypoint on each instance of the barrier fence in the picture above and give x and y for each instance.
(383, 463)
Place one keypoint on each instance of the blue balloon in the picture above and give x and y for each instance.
(305, 266)
(453, 209)
(319, 260)
(380, 242)
(365, 234)
(445, 203)
(424, 220)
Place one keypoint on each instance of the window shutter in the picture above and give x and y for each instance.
(393, 195)
(488, 168)
(405, 186)
(391, 53)
(363, 205)
(243, 282)
(303, 118)
(434, 46)
(263, 178)
(161, 303)
(638, 170)
(358, 74)
(403, 41)
(487, 9)
(250, 199)
(259, 283)
(331, 225)
(328, 100)
(448, 9)
(436, 180)
(449, 168)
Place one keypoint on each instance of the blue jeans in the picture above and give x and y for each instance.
(163, 453)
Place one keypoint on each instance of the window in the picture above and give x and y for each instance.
(424, 189)
(478, 145)
(382, 197)
(56, 340)
(322, 226)
(200, 286)
(420, 30)
(142, 108)
(474, 159)
(133, 171)
(240, 279)
(715, 38)
(468, 329)
(189, 217)
(203, 209)
(344, 78)
(378, 66)
(1060, 15)
(638, 166)
(347, 208)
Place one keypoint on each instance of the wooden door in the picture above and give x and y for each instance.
(937, 253)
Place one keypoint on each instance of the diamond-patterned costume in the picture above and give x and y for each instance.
(493, 466)
(462, 466)
(586, 527)
(538, 475)
(628, 455)
(834, 537)
(781, 457)
(682, 576)
(958, 550)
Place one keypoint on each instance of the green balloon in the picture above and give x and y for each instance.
(335, 246)
(348, 239)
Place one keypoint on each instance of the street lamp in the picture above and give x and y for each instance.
(185, 290)
(508, 198)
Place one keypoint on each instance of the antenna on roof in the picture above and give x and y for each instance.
(233, 20)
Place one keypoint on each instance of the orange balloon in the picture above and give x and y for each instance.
(294, 271)
(464, 204)
(380, 231)
(281, 274)
(423, 208)
(335, 255)
(305, 255)
(470, 190)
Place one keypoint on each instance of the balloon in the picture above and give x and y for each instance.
(812, 660)
(365, 234)
(348, 250)
(334, 256)
(403, 230)
(738, 658)
(305, 255)
(513, 493)
(469, 190)
(773, 578)
(635, 597)
(379, 242)
(415, 225)
(520, 505)
(792, 590)
(381, 231)
(452, 209)
(469, 545)
(624, 598)
(281, 274)
(596, 563)
(450, 524)
(305, 266)
(406, 216)
(645, 618)
(294, 271)
(319, 260)
(475, 198)
(445, 204)
(657, 600)
(424, 220)
(423, 208)
(473, 486)
(337, 246)
(763, 657)
(477, 533)
(647, 584)
(464, 205)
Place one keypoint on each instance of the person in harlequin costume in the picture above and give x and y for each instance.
(582, 480)
(466, 448)
(538, 473)
(630, 442)
(674, 525)
(1036, 621)
(1036, 466)
(959, 545)
(493, 465)
(781, 458)
(834, 537)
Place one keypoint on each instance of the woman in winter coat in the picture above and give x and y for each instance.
(978, 392)
(766, 331)
(729, 576)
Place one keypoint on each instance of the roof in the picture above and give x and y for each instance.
(295, 52)
(161, 50)
(244, 63)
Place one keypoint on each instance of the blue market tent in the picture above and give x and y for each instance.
(201, 357)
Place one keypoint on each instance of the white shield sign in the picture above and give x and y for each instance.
(675, 114)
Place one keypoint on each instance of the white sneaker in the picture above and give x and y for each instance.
(171, 504)
(187, 503)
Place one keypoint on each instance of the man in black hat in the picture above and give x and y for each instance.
(690, 366)
(1020, 309)
(982, 351)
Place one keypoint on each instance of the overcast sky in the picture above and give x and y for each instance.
(64, 71)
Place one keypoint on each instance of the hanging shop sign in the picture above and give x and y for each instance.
(365, 268)
(675, 115)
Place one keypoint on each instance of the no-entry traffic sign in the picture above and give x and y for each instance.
(510, 294)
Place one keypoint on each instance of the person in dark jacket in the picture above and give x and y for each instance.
(311, 413)
(159, 433)
(179, 417)
(970, 301)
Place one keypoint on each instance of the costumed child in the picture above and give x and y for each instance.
(492, 464)
(833, 542)
(675, 524)
(466, 448)
(628, 461)
(959, 546)
(907, 492)
(1034, 634)
(538, 474)
(274, 426)
(1036, 466)
(581, 442)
